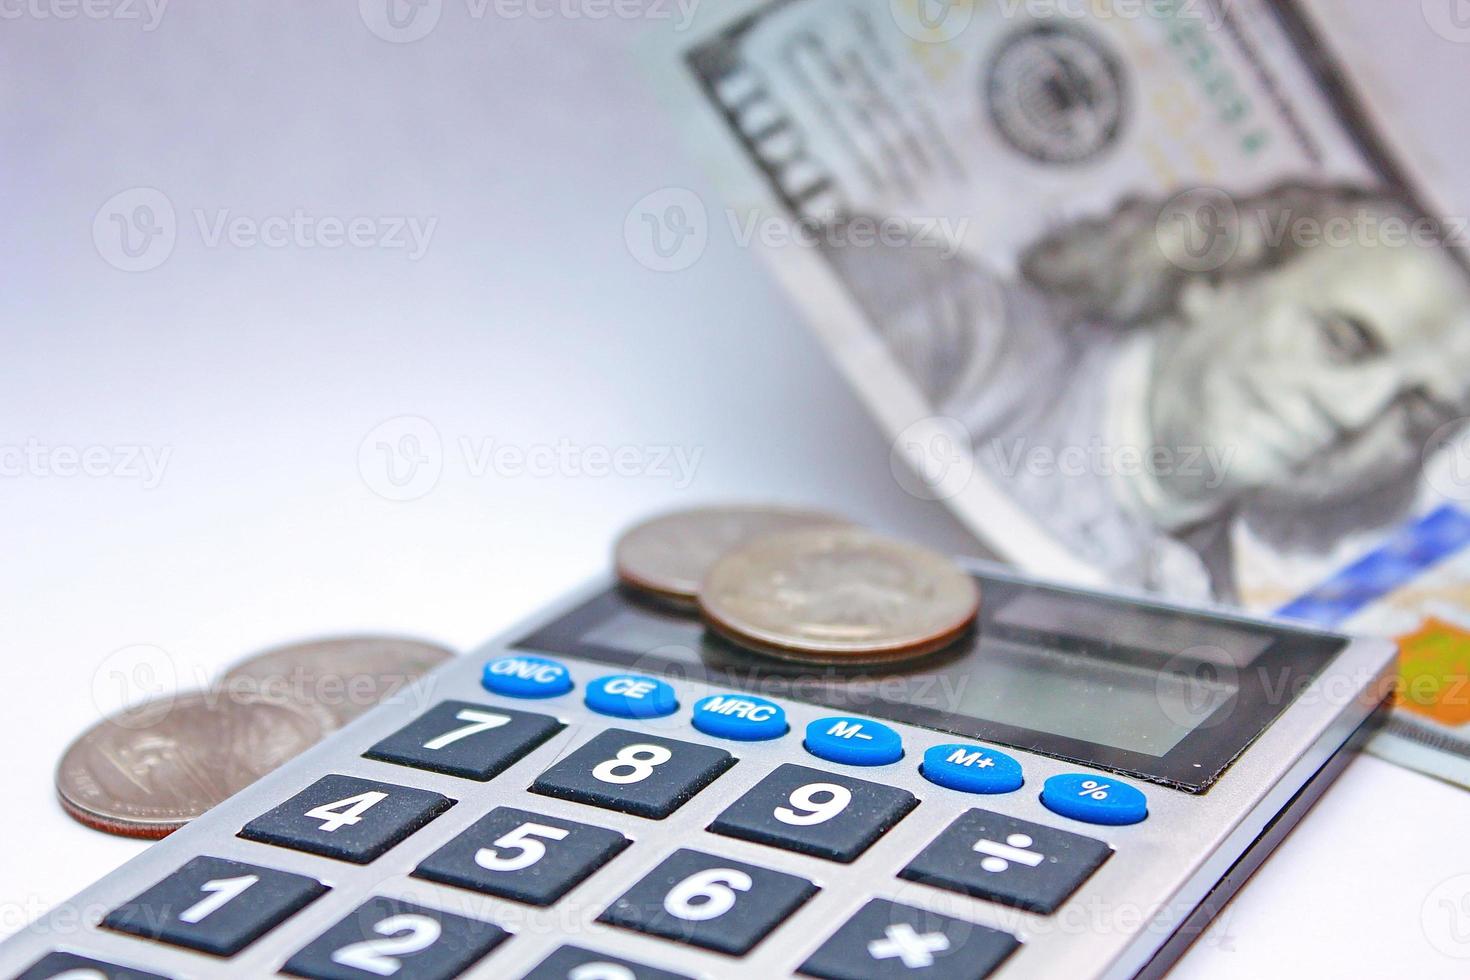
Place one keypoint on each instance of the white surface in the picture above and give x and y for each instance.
(527, 322)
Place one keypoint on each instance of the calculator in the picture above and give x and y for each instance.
(611, 792)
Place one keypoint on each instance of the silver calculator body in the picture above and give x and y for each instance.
(1226, 727)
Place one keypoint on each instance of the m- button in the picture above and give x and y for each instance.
(853, 741)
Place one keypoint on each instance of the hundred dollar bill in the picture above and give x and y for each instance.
(1133, 285)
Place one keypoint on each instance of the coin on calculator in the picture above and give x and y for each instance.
(339, 678)
(840, 595)
(668, 555)
(148, 778)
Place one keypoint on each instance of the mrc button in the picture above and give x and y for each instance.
(853, 741)
(526, 677)
(742, 717)
(971, 769)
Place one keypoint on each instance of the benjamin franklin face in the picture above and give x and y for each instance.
(1321, 378)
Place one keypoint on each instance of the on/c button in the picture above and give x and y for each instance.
(853, 741)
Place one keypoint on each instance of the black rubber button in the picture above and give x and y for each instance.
(889, 941)
(1003, 859)
(634, 772)
(386, 937)
(214, 905)
(709, 901)
(347, 818)
(459, 738)
(814, 812)
(523, 856)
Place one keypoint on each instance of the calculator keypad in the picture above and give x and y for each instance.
(385, 937)
(575, 963)
(709, 901)
(889, 941)
(215, 906)
(347, 818)
(524, 856)
(70, 966)
(472, 741)
(634, 772)
(814, 812)
(1003, 859)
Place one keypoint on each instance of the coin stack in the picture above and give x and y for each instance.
(148, 770)
(801, 585)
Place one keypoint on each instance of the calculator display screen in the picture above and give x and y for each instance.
(1164, 694)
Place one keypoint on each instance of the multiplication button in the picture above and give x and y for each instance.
(814, 812)
(458, 738)
(214, 905)
(634, 772)
(1003, 859)
(347, 818)
(888, 940)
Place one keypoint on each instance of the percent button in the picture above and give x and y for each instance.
(1094, 799)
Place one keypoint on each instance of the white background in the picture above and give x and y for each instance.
(528, 322)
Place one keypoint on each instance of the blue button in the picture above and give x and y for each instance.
(971, 769)
(853, 741)
(631, 696)
(743, 717)
(1094, 799)
(526, 677)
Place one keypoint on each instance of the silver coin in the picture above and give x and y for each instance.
(341, 677)
(670, 554)
(195, 751)
(838, 595)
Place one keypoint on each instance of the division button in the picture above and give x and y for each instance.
(1007, 860)
(460, 738)
(214, 905)
(741, 717)
(971, 769)
(889, 941)
(631, 696)
(524, 676)
(853, 741)
(709, 901)
(809, 811)
(1094, 799)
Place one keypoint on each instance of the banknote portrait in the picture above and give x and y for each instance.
(1138, 386)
